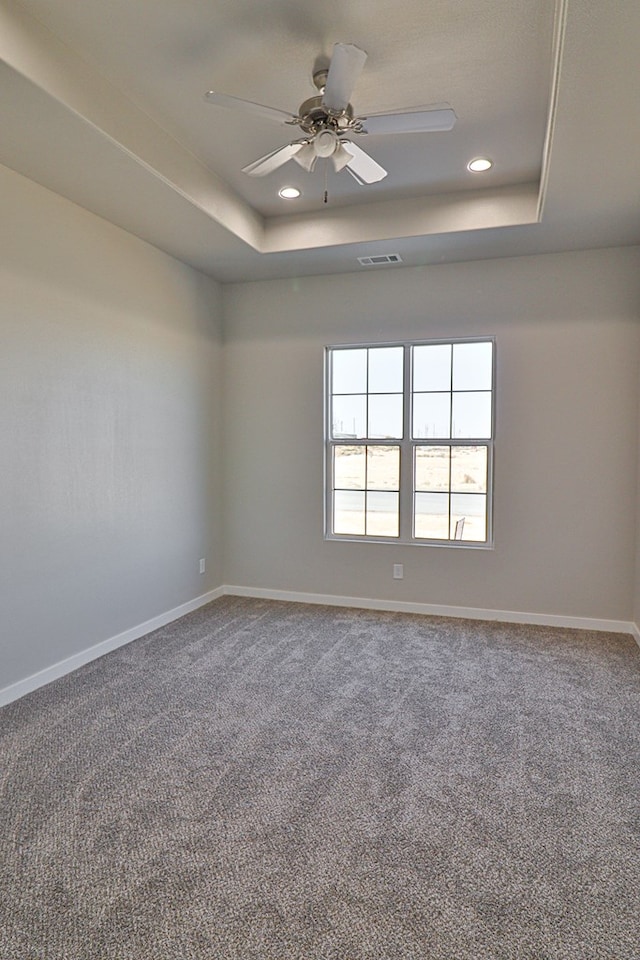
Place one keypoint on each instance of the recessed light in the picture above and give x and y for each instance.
(479, 164)
(289, 193)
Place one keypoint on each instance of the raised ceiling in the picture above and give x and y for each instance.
(103, 103)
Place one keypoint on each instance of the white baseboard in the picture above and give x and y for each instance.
(22, 687)
(439, 610)
(42, 677)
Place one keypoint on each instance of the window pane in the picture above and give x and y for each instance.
(349, 369)
(472, 508)
(383, 468)
(348, 512)
(472, 415)
(386, 370)
(432, 468)
(432, 367)
(349, 418)
(385, 416)
(469, 469)
(431, 415)
(349, 468)
(472, 366)
(382, 514)
(431, 516)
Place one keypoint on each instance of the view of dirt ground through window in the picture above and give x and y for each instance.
(367, 484)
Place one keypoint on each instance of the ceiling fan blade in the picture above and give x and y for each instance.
(362, 167)
(410, 121)
(306, 157)
(271, 162)
(346, 65)
(256, 109)
(341, 158)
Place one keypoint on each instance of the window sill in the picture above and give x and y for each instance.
(397, 542)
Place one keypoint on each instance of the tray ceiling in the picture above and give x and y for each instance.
(104, 104)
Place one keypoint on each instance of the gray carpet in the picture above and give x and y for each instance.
(278, 781)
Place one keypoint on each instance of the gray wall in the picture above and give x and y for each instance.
(110, 396)
(636, 599)
(568, 337)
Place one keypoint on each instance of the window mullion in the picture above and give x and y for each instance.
(406, 454)
(366, 448)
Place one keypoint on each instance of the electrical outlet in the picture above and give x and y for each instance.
(398, 571)
(203, 565)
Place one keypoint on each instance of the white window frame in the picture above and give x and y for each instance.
(407, 445)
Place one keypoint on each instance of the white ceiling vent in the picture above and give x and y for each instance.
(379, 260)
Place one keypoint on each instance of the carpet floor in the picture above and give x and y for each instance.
(271, 781)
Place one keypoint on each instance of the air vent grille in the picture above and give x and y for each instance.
(378, 260)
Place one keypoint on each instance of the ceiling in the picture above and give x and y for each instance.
(103, 103)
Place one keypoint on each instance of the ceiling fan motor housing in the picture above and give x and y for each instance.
(313, 117)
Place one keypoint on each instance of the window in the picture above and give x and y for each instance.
(409, 448)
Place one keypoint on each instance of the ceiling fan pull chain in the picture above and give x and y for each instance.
(326, 181)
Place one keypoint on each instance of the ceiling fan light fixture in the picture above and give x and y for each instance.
(289, 193)
(479, 164)
(306, 157)
(325, 143)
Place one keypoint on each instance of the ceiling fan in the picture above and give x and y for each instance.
(328, 122)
